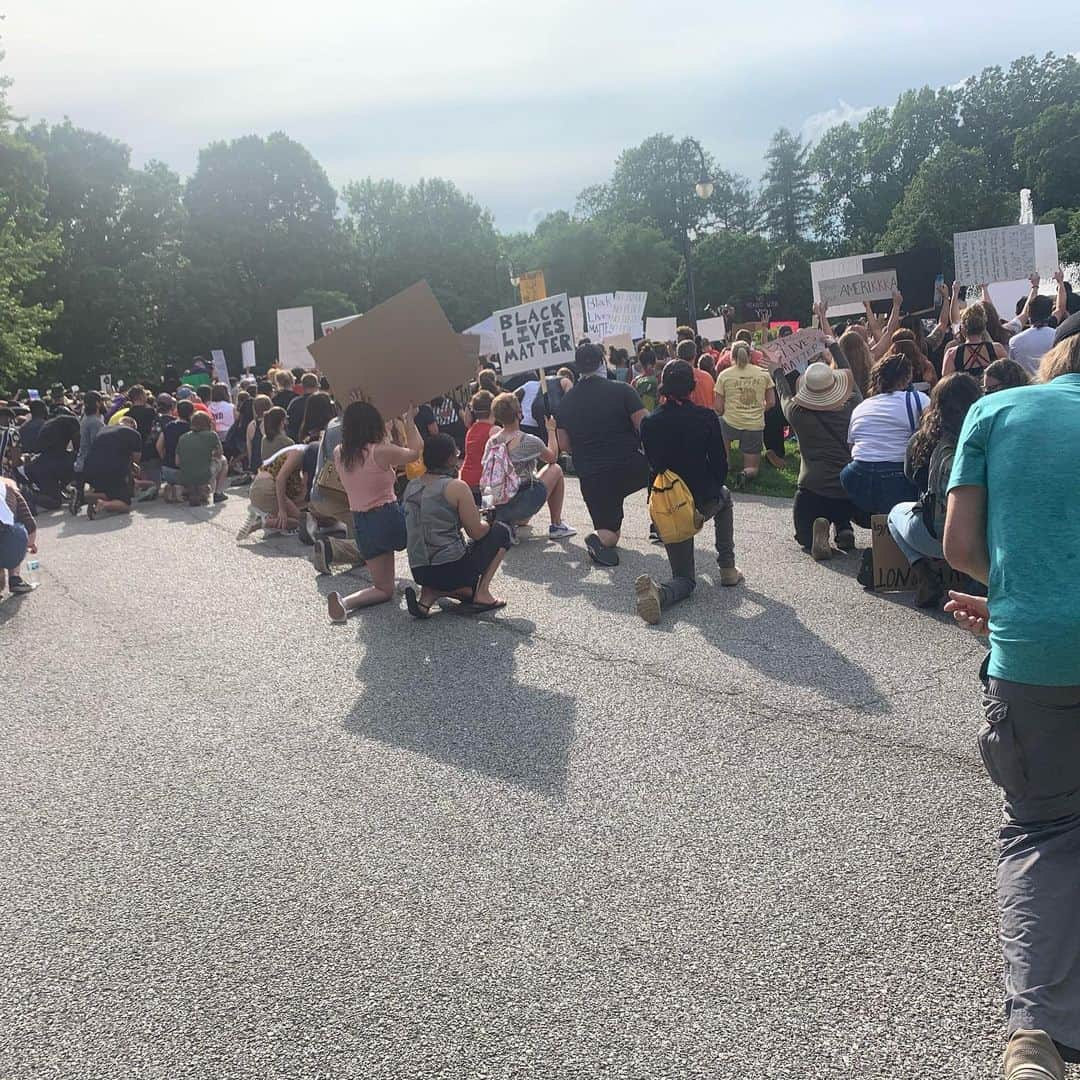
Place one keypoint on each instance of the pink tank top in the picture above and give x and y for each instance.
(367, 484)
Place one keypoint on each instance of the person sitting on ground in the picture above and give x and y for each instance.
(819, 412)
(51, 469)
(275, 437)
(110, 468)
(28, 433)
(254, 434)
(366, 461)
(18, 535)
(91, 424)
(743, 393)
(1029, 346)
(687, 439)
(535, 488)
(976, 350)
(648, 382)
(222, 410)
(1004, 375)
(297, 410)
(166, 447)
(475, 441)
(918, 527)
(328, 508)
(598, 424)
(235, 441)
(277, 493)
(201, 462)
(438, 506)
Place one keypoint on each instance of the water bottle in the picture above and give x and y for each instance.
(32, 572)
(488, 500)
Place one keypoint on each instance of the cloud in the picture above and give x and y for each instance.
(842, 113)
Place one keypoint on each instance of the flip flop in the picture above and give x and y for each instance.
(416, 609)
(480, 609)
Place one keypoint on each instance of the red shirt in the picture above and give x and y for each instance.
(475, 440)
(704, 389)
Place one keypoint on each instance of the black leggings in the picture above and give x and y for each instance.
(809, 506)
(773, 435)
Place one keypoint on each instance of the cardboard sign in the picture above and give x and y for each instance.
(331, 325)
(221, 368)
(535, 335)
(916, 273)
(892, 571)
(858, 287)
(531, 286)
(599, 315)
(795, 352)
(712, 329)
(760, 308)
(628, 311)
(247, 354)
(661, 329)
(402, 352)
(828, 269)
(295, 332)
(577, 318)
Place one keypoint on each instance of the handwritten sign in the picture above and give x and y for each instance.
(295, 331)
(247, 354)
(532, 286)
(628, 311)
(796, 351)
(577, 317)
(760, 308)
(858, 288)
(828, 269)
(535, 335)
(600, 315)
(892, 571)
(987, 255)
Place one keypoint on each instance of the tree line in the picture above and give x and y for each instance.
(106, 268)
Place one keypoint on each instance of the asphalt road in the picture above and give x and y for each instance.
(755, 841)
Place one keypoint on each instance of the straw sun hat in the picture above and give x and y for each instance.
(822, 387)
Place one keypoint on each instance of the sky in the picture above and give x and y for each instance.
(520, 105)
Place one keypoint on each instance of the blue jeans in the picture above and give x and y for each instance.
(877, 486)
(911, 535)
(13, 541)
(380, 531)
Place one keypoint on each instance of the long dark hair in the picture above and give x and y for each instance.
(892, 372)
(949, 403)
(361, 427)
(318, 412)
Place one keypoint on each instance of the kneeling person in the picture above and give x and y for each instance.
(109, 467)
(201, 462)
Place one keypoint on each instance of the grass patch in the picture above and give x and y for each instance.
(769, 481)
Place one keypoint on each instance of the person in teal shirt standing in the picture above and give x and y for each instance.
(1013, 522)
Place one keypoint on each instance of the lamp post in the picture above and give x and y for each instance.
(703, 189)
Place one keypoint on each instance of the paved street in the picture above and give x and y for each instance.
(755, 841)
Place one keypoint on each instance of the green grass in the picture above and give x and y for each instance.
(769, 481)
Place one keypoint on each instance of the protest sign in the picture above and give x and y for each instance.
(331, 325)
(402, 352)
(760, 308)
(712, 329)
(221, 368)
(577, 318)
(485, 332)
(295, 331)
(620, 341)
(599, 312)
(106, 385)
(628, 311)
(892, 571)
(988, 255)
(247, 354)
(827, 269)
(795, 352)
(535, 335)
(531, 286)
(916, 273)
(858, 287)
(791, 324)
(662, 329)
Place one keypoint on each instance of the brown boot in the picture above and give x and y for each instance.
(1032, 1055)
(928, 587)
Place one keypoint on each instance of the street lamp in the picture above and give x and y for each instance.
(703, 188)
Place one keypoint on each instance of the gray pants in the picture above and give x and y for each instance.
(1030, 745)
(681, 555)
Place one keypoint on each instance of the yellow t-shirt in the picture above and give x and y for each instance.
(744, 392)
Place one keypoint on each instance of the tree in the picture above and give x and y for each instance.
(1048, 157)
(787, 197)
(792, 285)
(729, 267)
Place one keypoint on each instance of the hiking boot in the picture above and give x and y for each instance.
(1032, 1055)
(820, 548)
(647, 599)
(845, 539)
(730, 575)
(865, 576)
(928, 587)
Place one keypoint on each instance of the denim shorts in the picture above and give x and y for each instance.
(528, 500)
(380, 531)
(170, 475)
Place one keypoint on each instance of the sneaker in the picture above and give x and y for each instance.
(730, 575)
(1032, 1055)
(820, 548)
(251, 525)
(307, 529)
(602, 556)
(18, 586)
(845, 540)
(323, 555)
(560, 531)
(647, 599)
(335, 608)
(865, 576)
(220, 497)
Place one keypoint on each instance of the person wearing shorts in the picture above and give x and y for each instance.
(598, 422)
(109, 468)
(744, 393)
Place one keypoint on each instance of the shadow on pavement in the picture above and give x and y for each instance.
(488, 722)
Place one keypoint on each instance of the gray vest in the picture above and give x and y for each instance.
(433, 524)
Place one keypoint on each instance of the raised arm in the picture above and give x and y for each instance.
(1025, 315)
(1061, 308)
(884, 343)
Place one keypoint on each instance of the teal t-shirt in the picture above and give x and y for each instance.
(1023, 446)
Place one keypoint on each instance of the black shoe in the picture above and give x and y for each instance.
(865, 576)
(19, 587)
(220, 497)
(307, 528)
(602, 556)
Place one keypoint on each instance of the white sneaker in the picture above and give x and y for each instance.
(561, 531)
(254, 521)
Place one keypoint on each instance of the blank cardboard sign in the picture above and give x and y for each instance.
(402, 352)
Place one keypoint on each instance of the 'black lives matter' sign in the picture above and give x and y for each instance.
(536, 335)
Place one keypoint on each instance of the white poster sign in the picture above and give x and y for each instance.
(295, 331)
(106, 384)
(877, 285)
(988, 255)
(221, 368)
(796, 351)
(247, 354)
(712, 329)
(485, 331)
(660, 329)
(535, 335)
(628, 312)
(599, 315)
(828, 269)
(577, 317)
(331, 325)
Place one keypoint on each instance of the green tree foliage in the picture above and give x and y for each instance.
(1048, 156)
(787, 195)
(729, 267)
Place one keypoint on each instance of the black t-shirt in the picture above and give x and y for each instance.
(425, 417)
(111, 453)
(58, 408)
(144, 416)
(295, 415)
(172, 434)
(596, 414)
(283, 399)
(28, 433)
(56, 433)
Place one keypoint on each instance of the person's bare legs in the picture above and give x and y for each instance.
(102, 502)
(607, 537)
(483, 590)
(428, 596)
(751, 465)
(774, 459)
(381, 590)
(553, 479)
(222, 477)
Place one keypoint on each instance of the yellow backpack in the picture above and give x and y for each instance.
(671, 506)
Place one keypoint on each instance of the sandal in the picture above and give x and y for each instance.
(416, 609)
(480, 609)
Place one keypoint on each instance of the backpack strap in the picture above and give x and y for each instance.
(913, 413)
